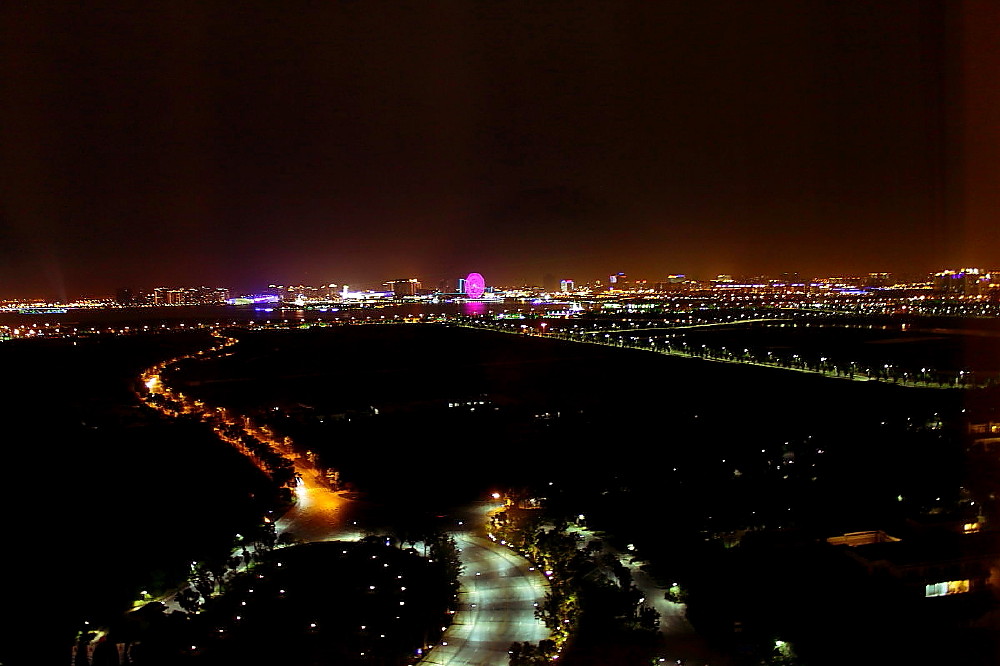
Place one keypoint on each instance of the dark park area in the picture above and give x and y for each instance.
(109, 500)
(331, 602)
(685, 458)
(727, 478)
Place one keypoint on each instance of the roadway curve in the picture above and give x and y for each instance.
(498, 588)
(497, 600)
(319, 513)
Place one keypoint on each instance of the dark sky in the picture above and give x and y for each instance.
(190, 142)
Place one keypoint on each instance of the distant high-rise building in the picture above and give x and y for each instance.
(190, 295)
(878, 280)
(672, 283)
(404, 287)
(565, 286)
(617, 282)
(962, 282)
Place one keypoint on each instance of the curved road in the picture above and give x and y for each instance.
(497, 606)
(319, 514)
(498, 588)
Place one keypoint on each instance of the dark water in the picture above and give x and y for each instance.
(937, 345)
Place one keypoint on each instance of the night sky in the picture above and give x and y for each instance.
(237, 144)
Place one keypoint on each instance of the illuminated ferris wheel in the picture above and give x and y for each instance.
(475, 286)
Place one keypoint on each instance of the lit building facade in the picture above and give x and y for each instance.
(618, 282)
(962, 282)
(190, 295)
(403, 287)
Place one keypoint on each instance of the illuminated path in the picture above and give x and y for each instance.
(593, 338)
(497, 594)
(496, 606)
(319, 514)
(714, 324)
(498, 590)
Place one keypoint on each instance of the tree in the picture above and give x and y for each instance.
(649, 618)
(444, 551)
(188, 599)
(287, 539)
(202, 581)
(528, 654)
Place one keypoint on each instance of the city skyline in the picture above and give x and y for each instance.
(949, 282)
(194, 145)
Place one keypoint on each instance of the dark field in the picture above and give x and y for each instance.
(675, 455)
(103, 498)
(586, 416)
(328, 603)
(408, 367)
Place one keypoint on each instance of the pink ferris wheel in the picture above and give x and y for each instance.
(475, 285)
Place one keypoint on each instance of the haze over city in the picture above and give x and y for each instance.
(195, 144)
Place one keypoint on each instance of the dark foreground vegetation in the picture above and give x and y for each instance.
(104, 498)
(320, 603)
(727, 478)
(593, 610)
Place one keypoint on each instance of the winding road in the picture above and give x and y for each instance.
(498, 588)
(497, 606)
